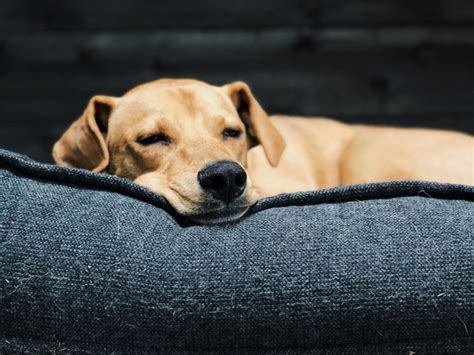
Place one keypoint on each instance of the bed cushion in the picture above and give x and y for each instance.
(92, 262)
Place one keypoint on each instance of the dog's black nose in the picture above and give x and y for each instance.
(224, 179)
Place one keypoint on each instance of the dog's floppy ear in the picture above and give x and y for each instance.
(258, 124)
(83, 144)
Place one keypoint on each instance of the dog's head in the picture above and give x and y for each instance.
(183, 139)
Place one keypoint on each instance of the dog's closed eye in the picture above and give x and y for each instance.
(231, 133)
(160, 138)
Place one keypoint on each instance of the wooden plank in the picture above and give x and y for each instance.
(29, 15)
(175, 49)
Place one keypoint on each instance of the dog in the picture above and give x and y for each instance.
(213, 151)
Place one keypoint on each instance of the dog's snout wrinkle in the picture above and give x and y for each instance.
(225, 180)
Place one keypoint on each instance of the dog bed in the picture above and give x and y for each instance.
(92, 262)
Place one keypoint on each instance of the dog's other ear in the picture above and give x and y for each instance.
(258, 124)
(83, 145)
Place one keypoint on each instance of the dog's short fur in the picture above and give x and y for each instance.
(187, 118)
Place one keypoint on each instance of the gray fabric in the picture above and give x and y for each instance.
(93, 262)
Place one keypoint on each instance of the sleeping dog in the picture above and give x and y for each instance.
(213, 151)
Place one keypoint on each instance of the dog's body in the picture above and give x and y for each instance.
(322, 153)
(213, 151)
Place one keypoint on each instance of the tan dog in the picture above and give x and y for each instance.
(213, 151)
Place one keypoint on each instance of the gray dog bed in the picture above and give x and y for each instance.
(91, 262)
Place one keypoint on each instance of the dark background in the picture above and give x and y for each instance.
(398, 62)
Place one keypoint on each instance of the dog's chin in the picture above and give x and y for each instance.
(223, 215)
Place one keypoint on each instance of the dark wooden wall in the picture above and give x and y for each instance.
(403, 62)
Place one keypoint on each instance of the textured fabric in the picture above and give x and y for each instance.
(96, 263)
